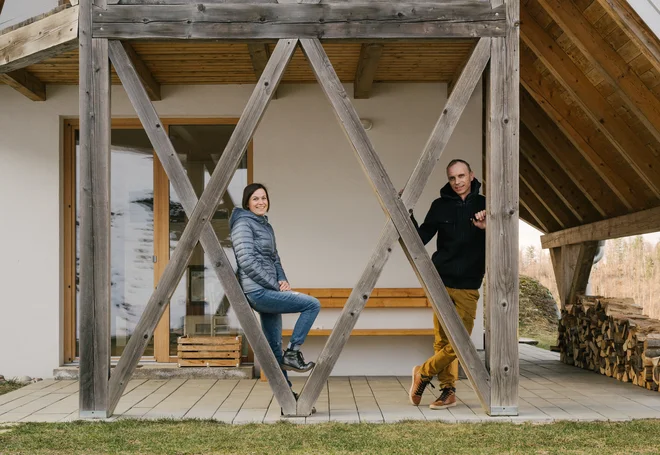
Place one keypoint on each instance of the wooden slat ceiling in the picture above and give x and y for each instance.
(222, 63)
(590, 99)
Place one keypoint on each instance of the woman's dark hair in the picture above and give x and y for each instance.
(249, 191)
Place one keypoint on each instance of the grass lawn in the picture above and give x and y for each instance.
(9, 386)
(207, 437)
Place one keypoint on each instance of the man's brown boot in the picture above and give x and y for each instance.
(418, 386)
(447, 399)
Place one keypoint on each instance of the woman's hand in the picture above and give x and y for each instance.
(285, 286)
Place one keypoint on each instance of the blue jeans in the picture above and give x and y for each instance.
(272, 304)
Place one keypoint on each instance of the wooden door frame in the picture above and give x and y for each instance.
(161, 226)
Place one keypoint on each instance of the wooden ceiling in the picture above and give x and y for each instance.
(590, 98)
(183, 62)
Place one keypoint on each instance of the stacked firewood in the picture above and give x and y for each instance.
(611, 336)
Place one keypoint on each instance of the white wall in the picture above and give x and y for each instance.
(16, 11)
(649, 11)
(326, 217)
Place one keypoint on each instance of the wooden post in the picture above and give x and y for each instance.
(572, 266)
(433, 150)
(396, 210)
(502, 206)
(94, 218)
(200, 212)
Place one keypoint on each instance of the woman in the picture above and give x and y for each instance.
(264, 282)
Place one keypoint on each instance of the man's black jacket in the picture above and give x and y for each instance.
(461, 246)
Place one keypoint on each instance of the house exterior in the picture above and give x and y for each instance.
(326, 219)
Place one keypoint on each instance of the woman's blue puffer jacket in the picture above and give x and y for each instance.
(253, 240)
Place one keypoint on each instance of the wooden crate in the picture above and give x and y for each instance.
(220, 351)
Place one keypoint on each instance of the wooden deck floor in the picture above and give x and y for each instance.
(549, 391)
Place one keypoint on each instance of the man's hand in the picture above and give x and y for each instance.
(284, 286)
(479, 219)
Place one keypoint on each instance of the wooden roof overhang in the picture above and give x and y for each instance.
(590, 85)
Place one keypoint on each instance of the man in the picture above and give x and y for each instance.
(459, 219)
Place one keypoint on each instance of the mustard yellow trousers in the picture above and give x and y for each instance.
(444, 362)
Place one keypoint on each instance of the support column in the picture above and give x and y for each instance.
(94, 230)
(502, 199)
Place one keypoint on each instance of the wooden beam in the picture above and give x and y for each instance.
(365, 286)
(502, 200)
(2, 4)
(39, 40)
(259, 55)
(632, 25)
(537, 209)
(204, 209)
(394, 207)
(150, 83)
(609, 63)
(528, 217)
(638, 223)
(94, 319)
(584, 263)
(596, 107)
(555, 175)
(551, 136)
(336, 20)
(370, 54)
(550, 200)
(564, 261)
(25, 83)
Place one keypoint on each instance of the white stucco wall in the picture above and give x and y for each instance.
(649, 11)
(325, 214)
(16, 11)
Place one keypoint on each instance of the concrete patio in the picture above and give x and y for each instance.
(549, 391)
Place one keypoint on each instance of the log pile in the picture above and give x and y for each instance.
(611, 336)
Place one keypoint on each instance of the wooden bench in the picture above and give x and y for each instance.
(380, 298)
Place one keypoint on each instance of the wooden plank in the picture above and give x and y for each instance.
(597, 108)
(379, 302)
(208, 341)
(366, 70)
(25, 83)
(150, 83)
(541, 188)
(208, 363)
(208, 347)
(554, 175)
(632, 25)
(556, 136)
(637, 223)
(94, 230)
(368, 332)
(161, 251)
(536, 207)
(502, 200)
(259, 55)
(396, 209)
(209, 355)
(337, 20)
(584, 262)
(199, 211)
(39, 40)
(527, 217)
(609, 63)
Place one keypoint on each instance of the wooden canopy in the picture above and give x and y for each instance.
(590, 96)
